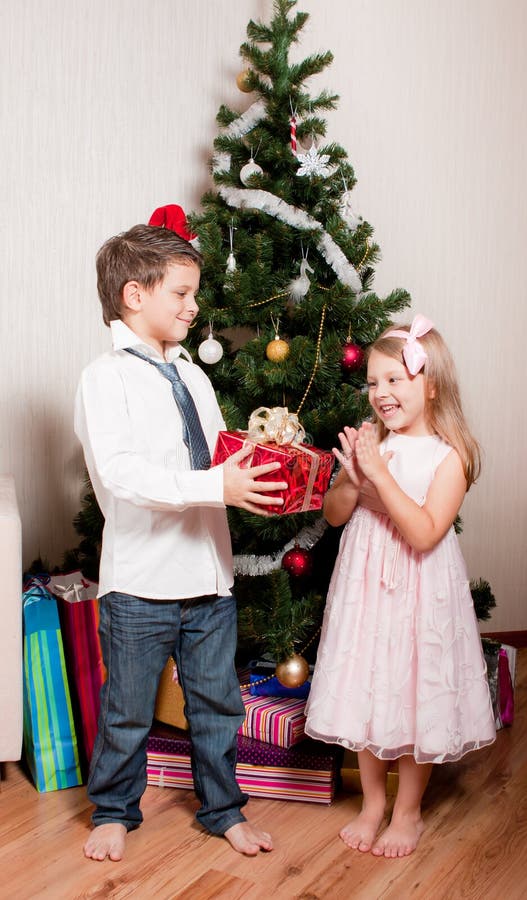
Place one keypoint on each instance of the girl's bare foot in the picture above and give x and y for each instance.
(246, 838)
(106, 841)
(361, 832)
(400, 838)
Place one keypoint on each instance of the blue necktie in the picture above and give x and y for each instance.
(192, 428)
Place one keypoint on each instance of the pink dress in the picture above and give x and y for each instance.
(400, 669)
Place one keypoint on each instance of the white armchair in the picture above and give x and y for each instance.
(11, 623)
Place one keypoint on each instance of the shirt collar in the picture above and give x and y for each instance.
(123, 337)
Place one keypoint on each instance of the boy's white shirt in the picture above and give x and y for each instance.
(166, 534)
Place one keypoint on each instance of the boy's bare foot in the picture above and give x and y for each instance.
(400, 838)
(245, 838)
(360, 833)
(106, 841)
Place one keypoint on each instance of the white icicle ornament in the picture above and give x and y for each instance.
(231, 262)
(347, 212)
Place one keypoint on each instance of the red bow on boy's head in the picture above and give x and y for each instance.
(172, 217)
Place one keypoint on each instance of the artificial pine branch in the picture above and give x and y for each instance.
(484, 599)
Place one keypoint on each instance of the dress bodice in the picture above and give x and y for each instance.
(414, 461)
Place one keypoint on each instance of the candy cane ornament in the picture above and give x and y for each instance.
(292, 122)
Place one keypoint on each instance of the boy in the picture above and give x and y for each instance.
(166, 562)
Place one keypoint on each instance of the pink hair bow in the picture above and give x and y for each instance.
(413, 353)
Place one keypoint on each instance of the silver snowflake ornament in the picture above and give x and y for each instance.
(313, 163)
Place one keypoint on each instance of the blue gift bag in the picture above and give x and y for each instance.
(50, 742)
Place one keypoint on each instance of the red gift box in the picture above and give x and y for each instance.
(305, 772)
(306, 469)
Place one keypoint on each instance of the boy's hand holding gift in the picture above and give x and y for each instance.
(242, 488)
(298, 474)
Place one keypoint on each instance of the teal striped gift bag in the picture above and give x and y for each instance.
(50, 742)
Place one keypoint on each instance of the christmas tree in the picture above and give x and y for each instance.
(287, 292)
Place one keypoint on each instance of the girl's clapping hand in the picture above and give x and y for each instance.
(346, 455)
(371, 463)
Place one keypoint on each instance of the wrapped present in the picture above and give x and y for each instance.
(170, 702)
(501, 666)
(305, 469)
(306, 772)
(50, 740)
(265, 686)
(276, 720)
(79, 621)
(267, 719)
(350, 775)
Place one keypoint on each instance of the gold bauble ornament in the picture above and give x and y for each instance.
(292, 672)
(241, 81)
(277, 350)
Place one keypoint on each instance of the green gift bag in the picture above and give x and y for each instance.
(50, 742)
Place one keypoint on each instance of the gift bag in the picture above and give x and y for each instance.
(501, 661)
(50, 742)
(506, 684)
(79, 622)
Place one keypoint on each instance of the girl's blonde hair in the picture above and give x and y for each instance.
(443, 402)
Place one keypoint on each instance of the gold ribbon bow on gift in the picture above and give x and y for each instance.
(276, 425)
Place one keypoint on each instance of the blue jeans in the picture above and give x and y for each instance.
(137, 638)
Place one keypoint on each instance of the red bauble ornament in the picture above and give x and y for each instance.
(298, 562)
(352, 357)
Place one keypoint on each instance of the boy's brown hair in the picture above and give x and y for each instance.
(141, 254)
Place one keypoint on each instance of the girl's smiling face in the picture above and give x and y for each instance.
(397, 398)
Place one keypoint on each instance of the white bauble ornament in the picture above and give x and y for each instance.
(248, 170)
(210, 351)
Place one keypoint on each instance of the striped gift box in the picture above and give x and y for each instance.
(306, 772)
(277, 720)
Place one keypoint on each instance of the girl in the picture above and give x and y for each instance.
(400, 672)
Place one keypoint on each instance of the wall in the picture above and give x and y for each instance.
(108, 110)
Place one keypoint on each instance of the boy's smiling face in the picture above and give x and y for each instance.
(163, 314)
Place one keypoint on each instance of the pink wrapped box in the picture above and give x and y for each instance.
(276, 720)
(306, 772)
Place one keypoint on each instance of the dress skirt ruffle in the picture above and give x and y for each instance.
(400, 669)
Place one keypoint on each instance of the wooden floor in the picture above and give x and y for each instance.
(475, 844)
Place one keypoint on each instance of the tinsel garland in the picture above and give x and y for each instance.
(241, 198)
(221, 162)
(251, 564)
(249, 198)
